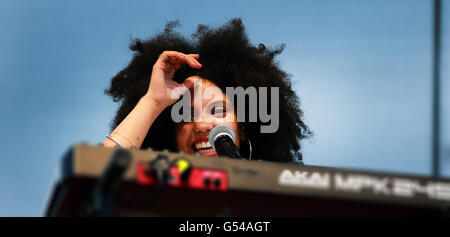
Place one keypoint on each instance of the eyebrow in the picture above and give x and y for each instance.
(218, 103)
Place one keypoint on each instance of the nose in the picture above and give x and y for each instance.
(203, 127)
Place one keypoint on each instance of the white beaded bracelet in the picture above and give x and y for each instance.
(114, 140)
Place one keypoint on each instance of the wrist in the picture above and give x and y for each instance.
(154, 104)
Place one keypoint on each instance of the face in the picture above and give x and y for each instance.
(212, 108)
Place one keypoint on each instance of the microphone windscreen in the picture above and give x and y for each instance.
(218, 131)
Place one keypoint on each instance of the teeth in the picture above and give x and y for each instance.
(206, 150)
(202, 145)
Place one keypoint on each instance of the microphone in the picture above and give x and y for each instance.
(221, 139)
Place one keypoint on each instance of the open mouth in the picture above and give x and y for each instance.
(203, 147)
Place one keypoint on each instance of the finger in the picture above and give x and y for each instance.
(192, 61)
(175, 57)
(189, 83)
(196, 56)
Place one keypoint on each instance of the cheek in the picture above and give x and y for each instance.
(183, 135)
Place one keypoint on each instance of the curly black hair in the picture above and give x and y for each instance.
(229, 60)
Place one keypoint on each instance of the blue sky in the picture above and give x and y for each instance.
(362, 70)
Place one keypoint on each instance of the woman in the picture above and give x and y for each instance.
(214, 58)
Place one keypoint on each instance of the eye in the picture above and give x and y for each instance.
(218, 111)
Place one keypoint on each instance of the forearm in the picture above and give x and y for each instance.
(133, 129)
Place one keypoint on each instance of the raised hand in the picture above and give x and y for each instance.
(163, 91)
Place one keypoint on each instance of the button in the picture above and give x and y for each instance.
(217, 182)
(206, 181)
(184, 168)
